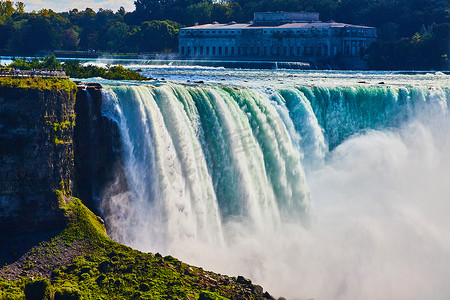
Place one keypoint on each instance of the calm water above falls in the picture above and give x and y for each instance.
(323, 185)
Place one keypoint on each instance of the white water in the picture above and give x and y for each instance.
(240, 180)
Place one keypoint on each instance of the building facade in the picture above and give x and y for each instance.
(285, 36)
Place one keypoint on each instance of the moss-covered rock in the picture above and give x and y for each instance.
(109, 270)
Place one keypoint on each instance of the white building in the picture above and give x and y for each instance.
(284, 36)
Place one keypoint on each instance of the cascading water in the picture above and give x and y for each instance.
(227, 177)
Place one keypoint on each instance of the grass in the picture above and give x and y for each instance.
(39, 83)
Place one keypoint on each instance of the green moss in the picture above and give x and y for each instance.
(39, 83)
(109, 270)
(61, 131)
(12, 289)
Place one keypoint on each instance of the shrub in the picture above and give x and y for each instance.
(37, 290)
(67, 293)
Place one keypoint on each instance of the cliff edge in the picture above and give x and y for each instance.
(36, 153)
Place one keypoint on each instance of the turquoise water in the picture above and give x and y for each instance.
(324, 185)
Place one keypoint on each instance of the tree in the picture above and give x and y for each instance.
(159, 35)
(117, 36)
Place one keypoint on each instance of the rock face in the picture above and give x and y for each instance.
(36, 157)
(97, 145)
(54, 140)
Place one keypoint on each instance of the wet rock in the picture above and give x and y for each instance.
(266, 295)
(243, 280)
(258, 290)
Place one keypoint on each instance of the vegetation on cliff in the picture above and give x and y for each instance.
(75, 69)
(39, 83)
(104, 269)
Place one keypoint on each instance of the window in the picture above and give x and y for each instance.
(226, 50)
(207, 50)
(201, 50)
(182, 50)
(213, 50)
(220, 50)
(232, 51)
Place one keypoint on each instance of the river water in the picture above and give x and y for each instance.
(324, 185)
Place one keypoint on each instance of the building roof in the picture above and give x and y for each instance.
(282, 26)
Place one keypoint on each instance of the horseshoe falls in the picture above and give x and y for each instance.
(326, 191)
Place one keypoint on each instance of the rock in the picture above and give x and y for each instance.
(36, 157)
(266, 295)
(243, 280)
(258, 290)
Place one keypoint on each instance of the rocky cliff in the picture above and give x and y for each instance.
(97, 149)
(36, 156)
(52, 139)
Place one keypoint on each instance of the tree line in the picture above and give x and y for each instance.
(412, 33)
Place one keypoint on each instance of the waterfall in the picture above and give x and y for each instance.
(216, 170)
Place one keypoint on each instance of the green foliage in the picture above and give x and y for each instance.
(39, 83)
(12, 289)
(157, 36)
(59, 134)
(74, 69)
(426, 49)
(67, 293)
(38, 289)
(48, 62)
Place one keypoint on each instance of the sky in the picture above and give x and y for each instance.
(66, 5)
